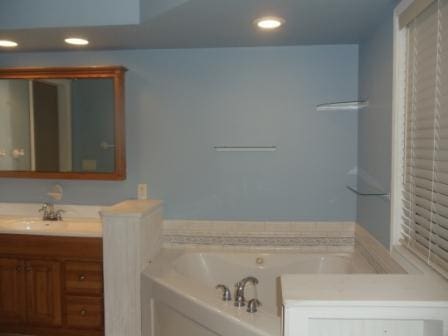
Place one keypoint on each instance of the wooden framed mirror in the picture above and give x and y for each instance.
(62, 123)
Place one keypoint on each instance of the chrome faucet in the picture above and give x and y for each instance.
(240, 301)
(49, 213)
(226, 295)
(252, 305)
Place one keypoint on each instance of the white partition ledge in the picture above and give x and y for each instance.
(132, 235)
(402, 298)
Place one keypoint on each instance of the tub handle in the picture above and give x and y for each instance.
(252, 305)
(226, 294)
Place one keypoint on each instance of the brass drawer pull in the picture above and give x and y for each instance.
(82, 277)
(83, 312)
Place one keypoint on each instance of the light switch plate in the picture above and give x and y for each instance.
(142, 191)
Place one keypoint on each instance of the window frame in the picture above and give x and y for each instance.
(397, 250)
(398, 115)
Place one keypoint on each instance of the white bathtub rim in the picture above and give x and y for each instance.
(173, 287)
(204, 306)
(163, 262)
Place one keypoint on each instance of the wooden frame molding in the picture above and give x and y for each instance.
(117, 74)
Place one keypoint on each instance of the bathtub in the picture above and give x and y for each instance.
(179, 295)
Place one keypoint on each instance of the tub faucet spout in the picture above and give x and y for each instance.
(240, 301)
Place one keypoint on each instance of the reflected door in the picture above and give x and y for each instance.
(46, 126)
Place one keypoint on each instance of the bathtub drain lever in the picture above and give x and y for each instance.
(226, 294)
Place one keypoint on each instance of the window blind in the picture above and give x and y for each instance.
(425, 190)
(413, 11)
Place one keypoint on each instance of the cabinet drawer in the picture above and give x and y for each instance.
(84, 278)
(84, 312)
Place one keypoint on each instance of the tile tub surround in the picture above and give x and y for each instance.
(302, 236)
(375, 253)
(310, 236)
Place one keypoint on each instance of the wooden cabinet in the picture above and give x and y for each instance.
(83, 278)
(12, 285)
(30, 292)
(84, 312)
(43, 292)
(51, 285)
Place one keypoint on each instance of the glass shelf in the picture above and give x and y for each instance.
(245, 148)
(364, 189)
(367, 192)
(343, 106)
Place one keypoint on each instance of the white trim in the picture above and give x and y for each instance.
(32, 135)
(399, 82)
(65, 125)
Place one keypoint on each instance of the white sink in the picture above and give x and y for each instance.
(76, 227)
(32, 224)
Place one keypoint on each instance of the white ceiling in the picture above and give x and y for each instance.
(193, 23)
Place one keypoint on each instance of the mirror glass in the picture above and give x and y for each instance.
(57, 125)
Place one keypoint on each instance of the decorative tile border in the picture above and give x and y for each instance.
(315, 236)
(375, 253)
(230, 240)
(337, 237)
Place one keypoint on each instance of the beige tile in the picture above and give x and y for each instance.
(302, 226)
(278, 227)
(250, 227)
(224, 226)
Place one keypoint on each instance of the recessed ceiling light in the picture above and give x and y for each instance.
(76, 41)
(269, 22)
(8, 44)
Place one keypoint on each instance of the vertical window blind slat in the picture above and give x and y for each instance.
(425, 190)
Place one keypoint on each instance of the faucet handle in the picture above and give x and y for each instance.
(252, 305)
(59, 214)
(226, 295)
(44, 207)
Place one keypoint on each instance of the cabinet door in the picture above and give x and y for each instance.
(12, 291)
(43, 292)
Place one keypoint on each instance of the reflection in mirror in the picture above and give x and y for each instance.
(57, 125)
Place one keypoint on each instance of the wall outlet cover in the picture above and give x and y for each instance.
(142, 191)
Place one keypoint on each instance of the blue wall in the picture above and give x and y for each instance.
(375, 127)
(181, 103)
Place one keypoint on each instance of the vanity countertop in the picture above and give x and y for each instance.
(69, 227)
